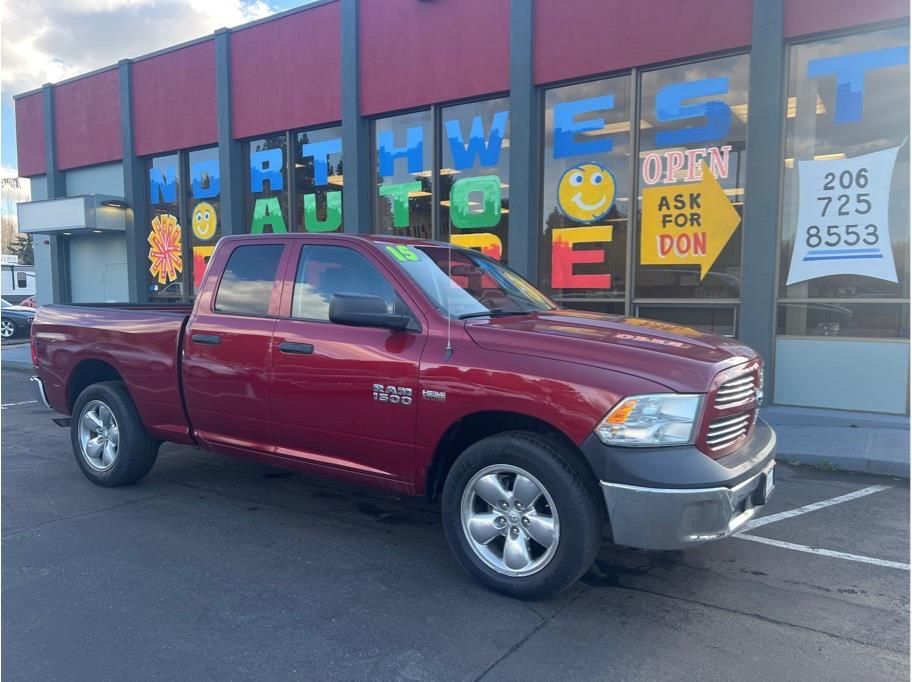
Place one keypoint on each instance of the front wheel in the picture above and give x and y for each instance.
(522, 514)
(111, 444)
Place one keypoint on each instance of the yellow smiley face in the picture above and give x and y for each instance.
(204, 221)
(585, 192)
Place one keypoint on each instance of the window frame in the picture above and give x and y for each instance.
(778, 300)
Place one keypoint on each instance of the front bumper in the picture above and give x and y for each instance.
(684, 506)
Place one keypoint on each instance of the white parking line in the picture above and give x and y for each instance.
(24, 402)
(824, 552)
(772, 518)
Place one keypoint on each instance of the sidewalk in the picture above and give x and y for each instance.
(829, 439)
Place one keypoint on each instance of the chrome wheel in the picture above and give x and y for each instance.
(7, 329)
(510, 520)
(99, 436)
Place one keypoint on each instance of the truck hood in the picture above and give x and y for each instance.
(680, 358)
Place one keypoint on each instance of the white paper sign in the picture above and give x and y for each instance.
(843, 218)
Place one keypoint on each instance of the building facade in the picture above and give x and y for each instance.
(740, 167)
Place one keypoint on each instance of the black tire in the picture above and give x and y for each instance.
(136, 449)
(577, 501)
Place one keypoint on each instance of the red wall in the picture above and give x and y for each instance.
(576, 38)
(813, 16)
(414, 53)
(87, 120)
(174, 100)
(285, 73)
(30, 149)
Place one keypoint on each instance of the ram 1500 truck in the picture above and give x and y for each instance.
(425, 369)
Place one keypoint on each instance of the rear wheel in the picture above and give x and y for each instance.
(522, 514)
(111, 444)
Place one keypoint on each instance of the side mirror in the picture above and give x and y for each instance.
(360, 310)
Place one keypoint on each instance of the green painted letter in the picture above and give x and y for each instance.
(488, 186)
(333, 213)
(399, 197)
(267, 212)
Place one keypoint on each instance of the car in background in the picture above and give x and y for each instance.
(15, 320)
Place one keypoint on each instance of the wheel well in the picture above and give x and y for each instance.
(85, 374)
(473, 428)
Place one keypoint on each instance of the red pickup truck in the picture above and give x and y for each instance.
(424, 369)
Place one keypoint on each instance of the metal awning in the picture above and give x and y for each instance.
(88, 213)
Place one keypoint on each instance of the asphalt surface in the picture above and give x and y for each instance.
(217, 568)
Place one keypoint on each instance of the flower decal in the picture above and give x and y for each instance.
(165, 249)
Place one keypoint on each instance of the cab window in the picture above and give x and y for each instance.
(246, 285)
(327, 270)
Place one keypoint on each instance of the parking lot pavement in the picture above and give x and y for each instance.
(213, 567)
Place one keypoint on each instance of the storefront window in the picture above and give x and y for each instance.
(402, 159)
(474, 175)
(266, 184)
(691, 171)
(165, 234)
(586, 194)
(318, 180)
(204, 209)
(845, 216)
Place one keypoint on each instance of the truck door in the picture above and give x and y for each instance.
(226, 348)
(343, 396)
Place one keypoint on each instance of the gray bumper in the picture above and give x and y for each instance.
(675, 518)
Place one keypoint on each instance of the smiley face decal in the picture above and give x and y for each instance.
(586, 192)
(204, 221)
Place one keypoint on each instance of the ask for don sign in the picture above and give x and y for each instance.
(843, 218)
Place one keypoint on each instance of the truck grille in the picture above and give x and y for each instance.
(724, 431)
(737, 391)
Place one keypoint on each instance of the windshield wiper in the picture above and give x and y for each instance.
(496, 312)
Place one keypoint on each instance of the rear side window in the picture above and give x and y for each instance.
(248, 280)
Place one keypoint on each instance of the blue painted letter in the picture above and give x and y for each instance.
(849, 70)
(163, 184)
(388, 152)
(320, 151)
(204, 179)
(566, 127)
(266, 165)
(487, 151)
(670, 107)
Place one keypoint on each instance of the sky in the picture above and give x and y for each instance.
(45, 41)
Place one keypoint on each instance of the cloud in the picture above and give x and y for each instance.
(48, 40)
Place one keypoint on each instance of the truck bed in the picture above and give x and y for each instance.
(141, 343)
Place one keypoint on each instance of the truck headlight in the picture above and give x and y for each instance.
(650, 420)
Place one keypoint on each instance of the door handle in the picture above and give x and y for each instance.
(210, 339)
(299, 348)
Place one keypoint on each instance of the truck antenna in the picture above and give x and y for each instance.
(448, 351)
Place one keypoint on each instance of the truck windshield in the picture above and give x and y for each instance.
(464, 283)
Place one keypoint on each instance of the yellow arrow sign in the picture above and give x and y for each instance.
(686, 224)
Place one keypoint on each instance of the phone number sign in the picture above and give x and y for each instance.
(843, 218)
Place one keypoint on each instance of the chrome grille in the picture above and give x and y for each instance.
(726, 430)
(736, 391)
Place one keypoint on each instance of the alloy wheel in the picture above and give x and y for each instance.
(99, 435)
(510, 520)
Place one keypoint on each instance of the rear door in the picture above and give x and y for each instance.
(227, 348)
(344, 396)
